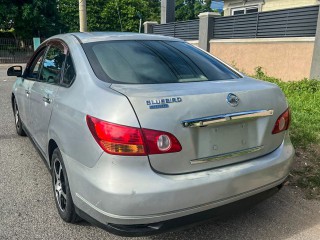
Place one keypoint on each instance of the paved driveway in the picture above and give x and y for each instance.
(27, 209)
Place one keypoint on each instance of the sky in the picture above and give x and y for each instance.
(217, 4)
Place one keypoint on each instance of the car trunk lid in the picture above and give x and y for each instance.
(212, 132)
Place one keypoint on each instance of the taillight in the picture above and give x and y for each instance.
(130, 141)
(282, 122)
(161, 142)
(116, 139)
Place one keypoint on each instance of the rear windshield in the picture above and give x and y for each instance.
(149, 62)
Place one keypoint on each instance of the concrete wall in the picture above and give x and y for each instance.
(286, 58)
(267, 5)
(270, 5)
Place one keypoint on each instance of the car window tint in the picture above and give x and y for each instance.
(212, 68)
(144, 62)
(69, 72)
(132, 62)
(34, 69)
(52, 65)
(183, 68)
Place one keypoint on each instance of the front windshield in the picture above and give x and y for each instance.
(149, 62)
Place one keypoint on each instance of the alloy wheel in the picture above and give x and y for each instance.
(16, 116)
(59, 184)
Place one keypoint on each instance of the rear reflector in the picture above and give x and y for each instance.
(282, 122)
(161, 142)
(130, 141)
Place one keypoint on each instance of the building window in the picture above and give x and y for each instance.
(244, 10)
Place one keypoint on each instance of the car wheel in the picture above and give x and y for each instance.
(61, 189)
(17, 119)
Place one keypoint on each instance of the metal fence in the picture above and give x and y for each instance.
(15, 50)
(186, 30)
(296, 22)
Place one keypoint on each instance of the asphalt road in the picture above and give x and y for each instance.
(27, 209)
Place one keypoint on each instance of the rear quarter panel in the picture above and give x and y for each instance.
(86, 96)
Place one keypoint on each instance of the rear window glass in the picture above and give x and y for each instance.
(149, 62)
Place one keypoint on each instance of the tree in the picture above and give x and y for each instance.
(30, 18)
(123, 15)
(44, 18)
(154, 11)
(111, 15)
(190, 9)
(7, 10)
(68, 11)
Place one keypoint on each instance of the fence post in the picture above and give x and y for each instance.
(206, 29)
(167, 11)
(315, 69)
(148, 26)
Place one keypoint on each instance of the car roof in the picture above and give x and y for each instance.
(87, 37)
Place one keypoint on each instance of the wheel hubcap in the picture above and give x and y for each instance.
(59, 185)
(16, 116)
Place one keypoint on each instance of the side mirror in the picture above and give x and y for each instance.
(14, 71)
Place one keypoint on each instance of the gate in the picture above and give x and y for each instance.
(15, 50)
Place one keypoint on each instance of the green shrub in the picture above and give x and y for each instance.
(303, 98)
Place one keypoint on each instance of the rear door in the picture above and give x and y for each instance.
(44, 91)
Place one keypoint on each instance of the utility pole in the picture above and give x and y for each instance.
(83, 15)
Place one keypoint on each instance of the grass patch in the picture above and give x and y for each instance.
(304, 101)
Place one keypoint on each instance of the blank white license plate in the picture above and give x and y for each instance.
(223, 139)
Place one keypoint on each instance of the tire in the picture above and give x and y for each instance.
(61, 189)
(17, 119)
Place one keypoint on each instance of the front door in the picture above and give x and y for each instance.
(43, 93)
(25, 84)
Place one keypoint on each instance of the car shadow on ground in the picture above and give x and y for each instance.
(285, 215)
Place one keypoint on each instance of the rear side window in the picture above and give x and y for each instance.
(52, 65)
(69, 72)
(149, 62)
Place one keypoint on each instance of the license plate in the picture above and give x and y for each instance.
(224, 139)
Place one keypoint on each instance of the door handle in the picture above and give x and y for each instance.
(27, 91)
(46, 99)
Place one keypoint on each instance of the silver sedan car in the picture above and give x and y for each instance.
(143, 133)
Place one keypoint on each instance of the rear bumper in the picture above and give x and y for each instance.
(122, 191)
(182, 222)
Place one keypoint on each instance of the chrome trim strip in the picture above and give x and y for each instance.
(206, 121)
(227, 155)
